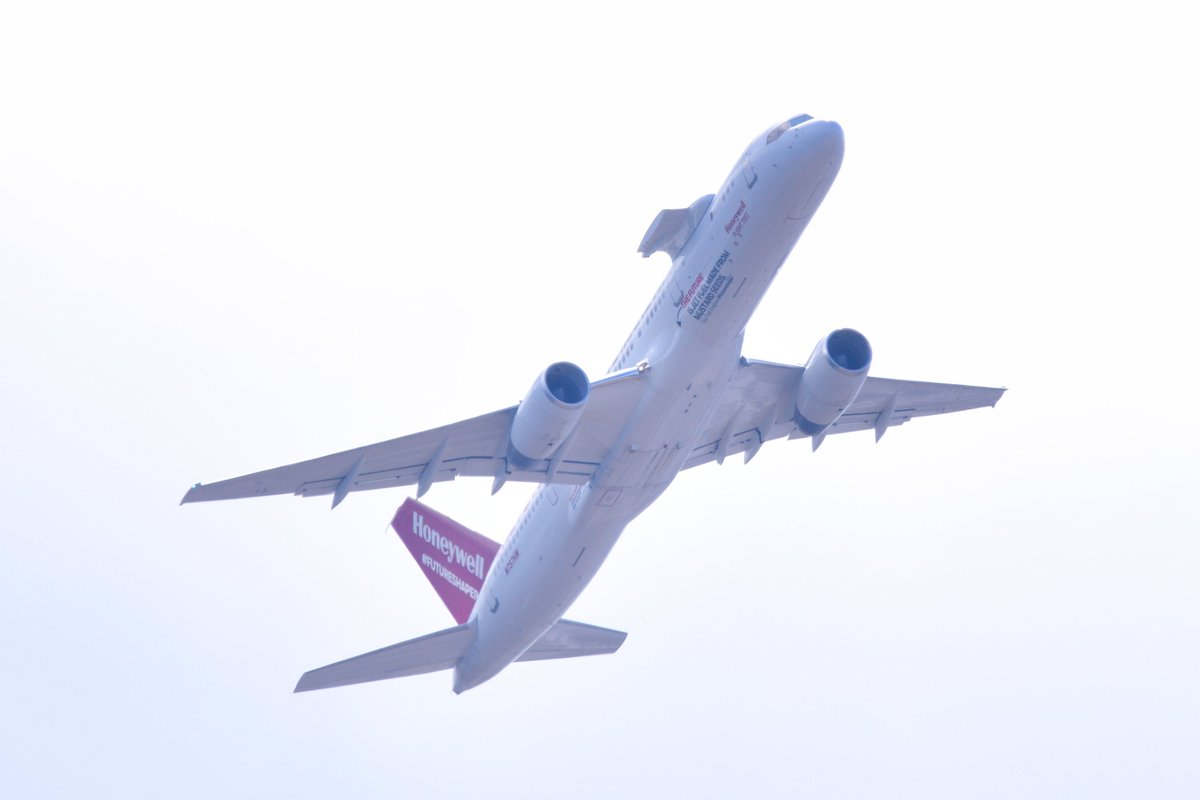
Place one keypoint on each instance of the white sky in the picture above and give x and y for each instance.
(245, 234)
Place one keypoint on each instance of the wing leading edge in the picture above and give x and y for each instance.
(759, 406)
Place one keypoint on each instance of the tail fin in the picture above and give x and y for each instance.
(455, 559)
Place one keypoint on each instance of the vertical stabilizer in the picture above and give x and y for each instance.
(455, 559)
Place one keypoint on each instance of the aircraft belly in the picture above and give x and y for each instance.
(556, 550)
(718, 279)
(552, 556)
(685, 388)
(540, 571)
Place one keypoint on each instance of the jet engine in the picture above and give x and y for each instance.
(548, 413)
(833, 376)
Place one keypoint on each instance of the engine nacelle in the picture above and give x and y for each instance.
(548, 413)
(833, 377)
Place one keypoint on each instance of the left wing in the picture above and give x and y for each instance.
(476, 446)
(759, 406)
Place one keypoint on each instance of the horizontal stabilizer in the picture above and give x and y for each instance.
(567, 639)
(429, 653)
(442, 650)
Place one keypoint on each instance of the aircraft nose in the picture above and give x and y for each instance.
(824, 140)
(808, 166)
(814, 155)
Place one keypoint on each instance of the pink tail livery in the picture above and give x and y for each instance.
(455, 559)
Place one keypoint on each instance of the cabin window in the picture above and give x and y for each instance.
(786, 126)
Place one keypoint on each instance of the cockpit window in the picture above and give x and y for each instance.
(784, 127)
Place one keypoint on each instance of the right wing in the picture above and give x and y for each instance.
(474, 447)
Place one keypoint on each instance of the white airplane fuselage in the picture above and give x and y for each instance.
(690, 340)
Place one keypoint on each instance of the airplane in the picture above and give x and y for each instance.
(679, 394)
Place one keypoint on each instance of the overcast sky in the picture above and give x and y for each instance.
(238, 235)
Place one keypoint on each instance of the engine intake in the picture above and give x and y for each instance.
(833, 377)
(548, 414)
